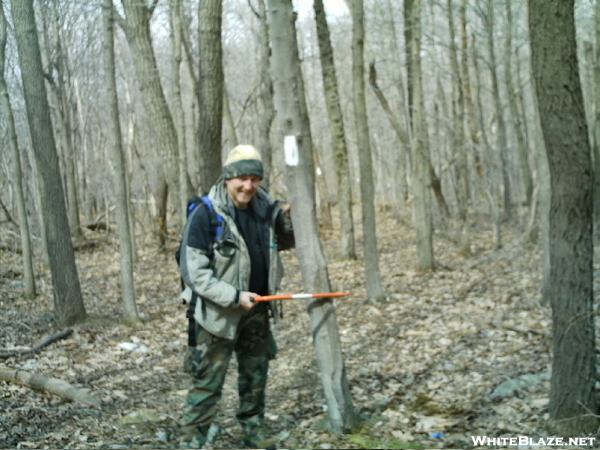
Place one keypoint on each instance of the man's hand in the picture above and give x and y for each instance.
(247, 299)
(287, 210)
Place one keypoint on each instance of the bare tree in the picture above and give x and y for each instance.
(596, 148)
(136, 25)
(28, 272)
(68, 303)
(421, 158)
(371, 252)
(115, 144)
(487, 14)
(265, 92)
(294, 123)
(57, 75)
(515, 115)
(338, 135)
(573, 402)
(459, 136)
(210, 91)
(175, 19)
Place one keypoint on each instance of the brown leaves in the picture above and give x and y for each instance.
(421, 363)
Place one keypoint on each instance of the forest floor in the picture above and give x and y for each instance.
(458, 352)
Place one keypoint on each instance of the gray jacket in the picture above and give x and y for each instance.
(217, 270)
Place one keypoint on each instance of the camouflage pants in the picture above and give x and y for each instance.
(209, 363)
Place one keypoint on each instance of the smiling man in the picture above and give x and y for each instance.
(224, 273)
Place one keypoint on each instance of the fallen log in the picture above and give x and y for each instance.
(53, 385)
(43, 342)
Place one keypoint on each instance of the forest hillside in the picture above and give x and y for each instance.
(462, 351)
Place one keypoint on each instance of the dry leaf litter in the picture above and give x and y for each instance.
(458, 352)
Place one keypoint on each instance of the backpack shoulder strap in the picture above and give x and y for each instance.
(218, 217)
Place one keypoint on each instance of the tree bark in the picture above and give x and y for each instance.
(231, 139)
(57, 75)
(175, 16)
(265, 94)
(483, 166)
(597, 127)
(401, 157)
(338, 135)
(371, 252)
(573, 403)
(29, 290)
(404, 138)
(52, 385)
(488, 16)
(421, 160)
(116, 149)
(136, 26)
(68, 303)
(459, 138)
(294, 123)
(210, 92)
(515, 115)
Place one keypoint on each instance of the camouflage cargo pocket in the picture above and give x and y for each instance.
(192, 360)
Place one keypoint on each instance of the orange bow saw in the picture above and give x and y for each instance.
(268, 298)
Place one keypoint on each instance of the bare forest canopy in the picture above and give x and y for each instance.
(71, 40)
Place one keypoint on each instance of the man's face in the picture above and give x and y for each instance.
(242, 189)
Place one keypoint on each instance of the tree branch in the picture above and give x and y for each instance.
(45, 341)
(152, 7)
(119, 18)
(52, 385)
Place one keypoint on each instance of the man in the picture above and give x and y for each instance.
(226, 273)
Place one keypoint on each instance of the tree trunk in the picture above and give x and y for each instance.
(265, 94)
(53, 385)
(466, 77)
(231, 139)
(403, 153)
(401, 156)
(57, 75)
(483, 166)
(29, 290)
(338, 135)
(371, 252)
(543, 178)
(421, 161)
(177, 107)
(489, 20)
(573, 403)
(210, 92)
(515, 115)
(597, 127)
(68, 303)
(136, 26)
(122, 191)
(294, 123)
(459, 139)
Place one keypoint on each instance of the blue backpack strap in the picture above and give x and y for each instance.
(192, 205)
(219, 217)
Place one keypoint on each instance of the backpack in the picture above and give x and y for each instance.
(216, 222)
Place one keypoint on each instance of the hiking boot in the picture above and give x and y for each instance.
(195, 442)
(255, 439)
